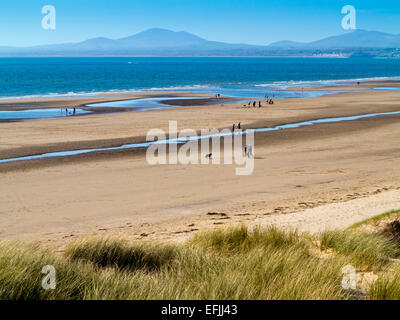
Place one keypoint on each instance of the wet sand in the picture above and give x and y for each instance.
(94, 131)
(79, 101)
(54, 200)
(84, 103)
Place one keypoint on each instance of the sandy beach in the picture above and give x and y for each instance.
(300, 171)
(195, 167)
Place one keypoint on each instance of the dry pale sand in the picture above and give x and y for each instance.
(309, 169)
(335, 215)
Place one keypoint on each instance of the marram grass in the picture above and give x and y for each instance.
(231, 263)
(366, 251)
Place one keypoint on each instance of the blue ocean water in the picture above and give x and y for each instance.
(231, 76)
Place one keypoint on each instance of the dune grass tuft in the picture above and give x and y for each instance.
(21, 274)
(366, 251)
(387, 287)
(116, 252)
(240, 238)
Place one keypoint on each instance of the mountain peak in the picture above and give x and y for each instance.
(161, 38)
(156, 31)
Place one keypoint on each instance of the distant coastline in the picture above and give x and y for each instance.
(166, 43)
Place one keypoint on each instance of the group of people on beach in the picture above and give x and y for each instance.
(268, 100)
(67, 112)
(255, 103)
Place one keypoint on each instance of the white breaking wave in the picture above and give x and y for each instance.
(109, 92)
(278, 85)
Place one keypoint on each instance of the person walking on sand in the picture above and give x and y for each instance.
(233, 127)
(248, 151)
(254, 104)
(66, 111)
(238, 126)
(259, 104)
(74, 111)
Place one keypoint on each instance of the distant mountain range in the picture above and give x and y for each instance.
(355, 39)
(162, 42)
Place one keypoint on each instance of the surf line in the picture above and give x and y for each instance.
(194, 138)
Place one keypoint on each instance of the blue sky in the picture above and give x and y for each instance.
(239, 21)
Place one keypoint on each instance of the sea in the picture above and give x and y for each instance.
(233, 76)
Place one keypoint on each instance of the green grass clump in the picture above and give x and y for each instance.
(238, 239)
(386, 287)
(261, 264)
(116, 252)
(21, 277)
(366, 251)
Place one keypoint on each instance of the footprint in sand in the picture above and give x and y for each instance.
(186, 231)
(217, 214)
